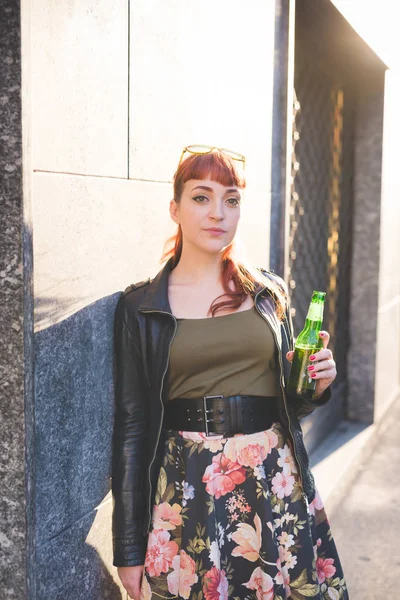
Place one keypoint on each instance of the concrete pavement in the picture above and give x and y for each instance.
(363, 504)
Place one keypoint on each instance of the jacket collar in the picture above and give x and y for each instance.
(156, 297)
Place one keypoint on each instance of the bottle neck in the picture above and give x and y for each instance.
(315, 312)
(312, 324)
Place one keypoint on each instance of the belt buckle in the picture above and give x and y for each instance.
(206, 420)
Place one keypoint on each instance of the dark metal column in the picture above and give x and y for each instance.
(282, 133)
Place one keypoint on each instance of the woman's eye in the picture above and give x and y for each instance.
(235, 202)
(198, 198)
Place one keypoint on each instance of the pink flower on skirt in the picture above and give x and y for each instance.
(222, 475)
(286, 460)
(282, 484)
(252, 449)
(212, 443)
(166, 516)
(160, 552)
(262, 583)
(215, 585)
(316, 504)
(183, 576)
(325, 569)
(252, 455)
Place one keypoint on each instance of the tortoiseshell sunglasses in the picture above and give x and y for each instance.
(201, 149)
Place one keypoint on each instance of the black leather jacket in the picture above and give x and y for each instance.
(144, 328)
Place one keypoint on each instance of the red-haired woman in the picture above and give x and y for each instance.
(213, 496)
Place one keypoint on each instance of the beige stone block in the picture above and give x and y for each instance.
(201, 73)
(390, 214)
(254, 228)
(389, 254)
(79, 84)
(93, 237)
(387, 375)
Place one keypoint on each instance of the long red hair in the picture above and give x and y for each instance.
(219, 167)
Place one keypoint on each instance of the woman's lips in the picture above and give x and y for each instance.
(215, 231)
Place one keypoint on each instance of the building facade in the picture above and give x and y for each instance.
(97, 102)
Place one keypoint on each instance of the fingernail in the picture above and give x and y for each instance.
(311, 368)
(314, 375)
(312, 357)
(321, 334)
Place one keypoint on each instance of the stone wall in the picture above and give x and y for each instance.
(387, 365)
(113, 93)
(12, 497)
(366, 246)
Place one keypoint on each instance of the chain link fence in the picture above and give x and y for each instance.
(321, 201)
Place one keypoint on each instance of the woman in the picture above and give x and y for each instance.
(213, 496)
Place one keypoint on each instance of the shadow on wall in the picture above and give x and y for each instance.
(74, 407)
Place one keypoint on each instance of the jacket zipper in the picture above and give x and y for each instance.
(162, 408)
(282, 388)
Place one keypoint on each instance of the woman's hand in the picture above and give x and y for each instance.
(131, 578)
(324, 369)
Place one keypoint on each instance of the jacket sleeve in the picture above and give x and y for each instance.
(129, 446)
(303, 407)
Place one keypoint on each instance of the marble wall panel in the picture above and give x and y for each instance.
(365, 252)
(201, 73)
(93, 236)
(12, 431)
(79, 87)
(77, 563)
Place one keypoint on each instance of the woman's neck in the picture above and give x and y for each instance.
(198, 268)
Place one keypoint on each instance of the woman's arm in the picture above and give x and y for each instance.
(129, 446)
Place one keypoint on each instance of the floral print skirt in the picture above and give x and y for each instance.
(231, 520)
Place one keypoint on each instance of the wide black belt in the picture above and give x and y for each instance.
(219, 414)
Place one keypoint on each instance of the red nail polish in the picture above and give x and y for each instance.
(310, 368)
(314, 375)
(312, 357)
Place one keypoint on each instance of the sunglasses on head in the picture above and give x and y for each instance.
(201, 149)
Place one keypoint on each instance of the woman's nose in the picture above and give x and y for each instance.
(217, 210)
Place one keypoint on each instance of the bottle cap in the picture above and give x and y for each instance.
(318, 295)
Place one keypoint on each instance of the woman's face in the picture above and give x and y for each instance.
(205, 206)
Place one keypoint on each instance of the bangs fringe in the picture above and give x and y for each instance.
(215, 165)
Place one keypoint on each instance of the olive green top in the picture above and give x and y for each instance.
(230, 354)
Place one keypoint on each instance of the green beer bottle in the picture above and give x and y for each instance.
(308, 341)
